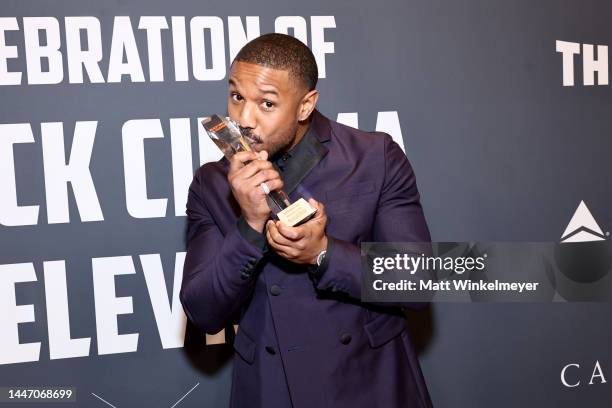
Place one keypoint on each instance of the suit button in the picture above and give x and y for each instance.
(275, 290)
(252, 261)
(270, 350)
(345, 338)
(245, 275)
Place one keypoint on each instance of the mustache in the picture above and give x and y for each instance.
(250, 136)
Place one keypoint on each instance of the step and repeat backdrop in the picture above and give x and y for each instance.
(503, 108)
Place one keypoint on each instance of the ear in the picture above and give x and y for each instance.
(307, 105)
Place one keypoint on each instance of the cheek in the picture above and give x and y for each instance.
(281, 136)
(277, 130)
(232, 110)
(268, 129)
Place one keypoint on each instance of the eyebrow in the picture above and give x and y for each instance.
(269, 91)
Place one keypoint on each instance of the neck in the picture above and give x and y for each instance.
(302, 128)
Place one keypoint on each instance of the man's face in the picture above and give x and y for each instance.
(265, 102)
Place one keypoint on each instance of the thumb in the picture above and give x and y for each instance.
(314, 203)
(319, 206)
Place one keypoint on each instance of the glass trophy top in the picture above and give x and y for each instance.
(225, 133)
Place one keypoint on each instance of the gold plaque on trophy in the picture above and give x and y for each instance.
(296, 213)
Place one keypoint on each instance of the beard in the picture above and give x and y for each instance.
(252, 139)
(279, 146)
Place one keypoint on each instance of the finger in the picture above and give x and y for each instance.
(253, 168)
(320, 214)
(293, 247)
(319, 207)
(267, 176)
(314, 203)
(284, 250)
(277, 238)
(291, 233)
(237, 160)
(284, 254)
(275, 184)
(256, 191)
(263, 155)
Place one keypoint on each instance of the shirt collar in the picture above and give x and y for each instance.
(297, 163)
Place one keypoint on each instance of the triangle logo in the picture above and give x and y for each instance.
(582, 227)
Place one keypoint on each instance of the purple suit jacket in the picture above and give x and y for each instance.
(303, 342)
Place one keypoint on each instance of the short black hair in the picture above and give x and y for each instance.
(282, 51)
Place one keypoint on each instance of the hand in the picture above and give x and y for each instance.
(245, 180)
(301, 244)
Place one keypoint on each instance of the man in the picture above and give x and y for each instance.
(305, 338)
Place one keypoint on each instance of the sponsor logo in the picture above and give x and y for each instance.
(582, 227)
(583, 255)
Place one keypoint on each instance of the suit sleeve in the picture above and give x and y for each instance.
(399, 218)
(219, 271)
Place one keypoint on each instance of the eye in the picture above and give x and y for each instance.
(267, 105)
(236, 97)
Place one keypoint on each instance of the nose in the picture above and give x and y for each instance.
(247, 117)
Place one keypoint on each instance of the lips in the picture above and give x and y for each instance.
(251, 141)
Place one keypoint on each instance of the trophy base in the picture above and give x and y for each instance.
(296, 213)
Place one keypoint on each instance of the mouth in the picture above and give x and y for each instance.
(251, 139)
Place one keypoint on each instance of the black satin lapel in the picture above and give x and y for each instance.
(303, 162)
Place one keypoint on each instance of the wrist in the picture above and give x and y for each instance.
(320, 252)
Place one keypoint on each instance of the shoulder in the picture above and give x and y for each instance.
(362, 144)
(347, 134)
(212, 170)
(210, 177)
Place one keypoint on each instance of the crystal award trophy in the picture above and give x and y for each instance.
(226, 134)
